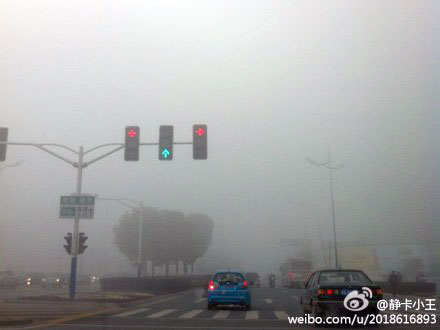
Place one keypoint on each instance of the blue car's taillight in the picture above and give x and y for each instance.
(212, 286)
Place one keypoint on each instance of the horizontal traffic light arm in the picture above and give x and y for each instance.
(85, 164)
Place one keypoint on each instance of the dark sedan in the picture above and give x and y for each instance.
(339, 292)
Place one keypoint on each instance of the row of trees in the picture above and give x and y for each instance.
(168, 237)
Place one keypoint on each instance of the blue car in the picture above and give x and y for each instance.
(229, 287)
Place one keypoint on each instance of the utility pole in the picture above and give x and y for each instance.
(3, 166)
(328, 165)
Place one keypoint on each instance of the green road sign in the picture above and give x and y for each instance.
(77, 207)
(68, 212)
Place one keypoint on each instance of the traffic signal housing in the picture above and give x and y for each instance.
(200, 142)
(166, 137)
(68, 246)
(131, 151)
(3, 138)
(81, 240)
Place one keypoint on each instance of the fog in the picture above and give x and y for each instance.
(275, 81)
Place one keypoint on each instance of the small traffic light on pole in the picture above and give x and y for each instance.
(200, 142)
(166, 136)
(81, 240)
(131, 143)
(68, 246)
(3, 138)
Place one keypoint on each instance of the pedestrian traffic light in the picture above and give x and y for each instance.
(166, 136)
(3, 138)
(200, 142)
(68, 246)
(131, 152)
(81, 240)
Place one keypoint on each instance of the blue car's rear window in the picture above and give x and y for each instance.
(228, 278)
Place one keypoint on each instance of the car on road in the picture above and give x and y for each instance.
(55, 281)
(8, 279)
(33, 279)
(254, 278)
(326, 290)
(229, 287)
(295, 271)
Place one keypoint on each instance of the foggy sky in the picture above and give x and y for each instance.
(275, 81)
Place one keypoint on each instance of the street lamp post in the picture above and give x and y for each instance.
(140, 224)
(3, 166)
(328, 165)
(141, 220)
(17, 163)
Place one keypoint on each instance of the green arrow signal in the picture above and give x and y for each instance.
(165, 153)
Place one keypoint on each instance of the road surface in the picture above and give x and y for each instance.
(187, 310)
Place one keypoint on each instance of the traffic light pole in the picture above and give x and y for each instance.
(80, 165)
(74, 261)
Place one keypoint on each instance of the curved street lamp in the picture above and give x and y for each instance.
(328, 165)
(15, 164)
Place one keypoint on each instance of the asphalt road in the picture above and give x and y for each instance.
(270, 309)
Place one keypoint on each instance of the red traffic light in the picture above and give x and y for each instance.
(132, 133)
(200, 141)
(200, 131)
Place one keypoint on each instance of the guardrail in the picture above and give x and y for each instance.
(165, 284)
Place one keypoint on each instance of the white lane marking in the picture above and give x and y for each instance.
(269, 301)
(136, 311)
(295, 297)
(251, 315)
(281, 315)
(172, 297)
(199, 300)
(191, 314)
(161, 313)
(221, 314)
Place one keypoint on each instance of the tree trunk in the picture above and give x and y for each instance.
(167, 268)
(152, 269)
(177, 267)
(146, 267)
(192, 269)
(185, 268)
